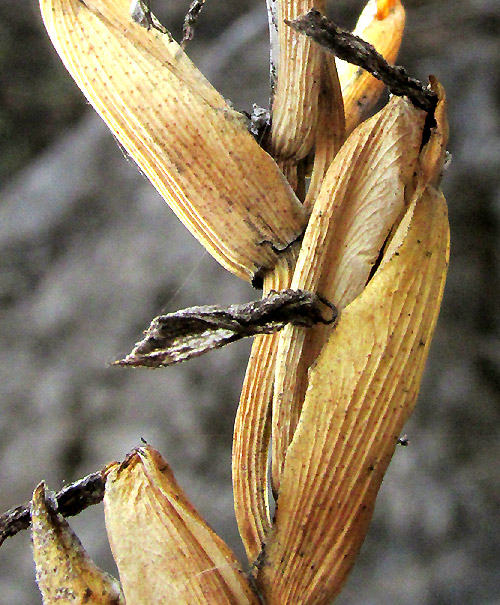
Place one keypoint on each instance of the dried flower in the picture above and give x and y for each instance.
(370, 235)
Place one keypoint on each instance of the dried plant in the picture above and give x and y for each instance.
(369, 234)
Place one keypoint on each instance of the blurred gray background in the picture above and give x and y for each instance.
(89, 253)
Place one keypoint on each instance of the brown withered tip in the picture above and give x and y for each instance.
(191, 332)
(190, 21)
(140, 13)
(70, 501)
(353, 49)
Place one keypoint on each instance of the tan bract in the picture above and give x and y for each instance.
(370, 234)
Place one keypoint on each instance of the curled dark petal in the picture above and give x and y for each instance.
(190, 21)
(194, 331)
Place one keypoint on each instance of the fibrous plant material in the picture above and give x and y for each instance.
(192, 332)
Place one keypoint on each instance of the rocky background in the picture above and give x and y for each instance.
(89, 253)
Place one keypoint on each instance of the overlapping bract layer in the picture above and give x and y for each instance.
(361, 199)
(361, 391)
(250, 482)
(335, 398)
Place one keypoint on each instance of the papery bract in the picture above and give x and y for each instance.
(185, 137)
(361, 391)
(361, 198)
(164, 550)
(64, 571)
